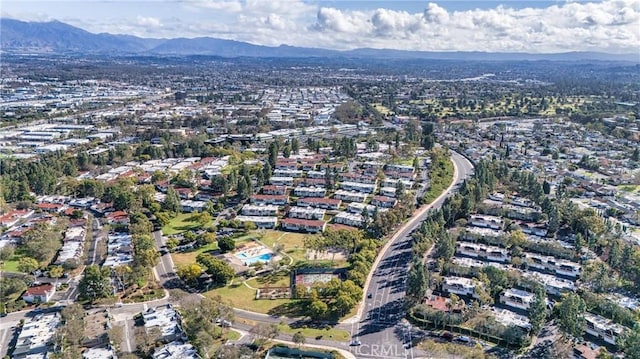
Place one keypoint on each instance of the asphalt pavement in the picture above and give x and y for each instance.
(380, 332)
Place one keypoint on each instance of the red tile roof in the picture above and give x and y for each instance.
(39, 290)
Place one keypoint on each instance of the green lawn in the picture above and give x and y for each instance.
(330, 333)
(293, 242)
(242, 297)
(11, 265)
(190, 257)
(180, 224)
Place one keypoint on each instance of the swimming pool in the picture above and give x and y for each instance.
(264, 257)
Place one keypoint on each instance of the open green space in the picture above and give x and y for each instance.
(292, 243)
(180, 224)
(328, 333)
(11, 265)
(190, 257)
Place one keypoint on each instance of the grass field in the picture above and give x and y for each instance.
(293, 242)
(243, 297)
(11, 265)
(180, 224)
(190, 257)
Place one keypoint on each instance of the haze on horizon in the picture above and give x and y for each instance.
(611, 26)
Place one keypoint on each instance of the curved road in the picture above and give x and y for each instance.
(379, 329)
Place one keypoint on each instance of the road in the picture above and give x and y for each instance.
(380, 328)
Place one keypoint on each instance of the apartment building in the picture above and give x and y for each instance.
(269, 199)
(304, 191)
(553, 265)
(349, 219)
(306, 213)
(303, 225)
(350, 196)
(484, 221)
(459, 286)
(602, 328)
(517, 298)
(484, 252)
(324, 203)
(259, 221)
(260, 210)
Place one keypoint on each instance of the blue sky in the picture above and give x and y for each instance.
(503, 26)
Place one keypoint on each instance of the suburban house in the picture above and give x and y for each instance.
(39, 294)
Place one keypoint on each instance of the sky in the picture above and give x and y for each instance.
(493, 26)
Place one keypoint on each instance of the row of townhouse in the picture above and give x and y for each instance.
(485, 221)
(553, 265)
(350, 196)
(484, 252)
(349, 219)
(304, 191)
(331, 204)
(603, 328)
(73, 245)
(552, 284)
(263, 222)
(303, 225)
(307, 212)
(168, 322)
(359, 187)
(119, 250)
(260, 210)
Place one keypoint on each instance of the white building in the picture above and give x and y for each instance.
(259, 210)
(166, 319)
(517, 298)
(35, 336)
(551, 264)
(350, 196)
(281, 181)
(306, 213)
(260, 222)
(359, 187)
(484, 221)
(602, 328)
(303, 191)
(176, 350)
(482, 251)
(459, 286)
(349, 219)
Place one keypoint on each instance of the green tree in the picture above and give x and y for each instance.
(56, 272)
(629, 342)
(95, 283)
(28, 264)
(172, 201)
(263, 333)
(205, 238)
(317, 309)
(299, 338)
(538, 310)
(220, 271)
(226, 244)
(570, 312)
(189, 272)
(417, 281)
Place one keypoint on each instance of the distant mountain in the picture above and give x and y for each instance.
(60, 38)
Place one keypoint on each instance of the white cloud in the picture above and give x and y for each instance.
(609, 25)
(148, 21)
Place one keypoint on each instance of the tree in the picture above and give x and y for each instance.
(538, 310)
(263, 333)
(28, 264)
(226, 244)
(299, 338)
(317, 309)
(243, 188)
(7, 252)
(95, 283)
(172, 243)
(56, 272)
(220, 271)
(417, 281)
(570, 312)
(189, 272)
(629, 343)
(172, 201)
(546, 187)
(205, 238)
(635, 156)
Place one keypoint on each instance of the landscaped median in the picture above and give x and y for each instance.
(440, 174)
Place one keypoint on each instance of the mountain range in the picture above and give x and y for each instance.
(59, 38)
